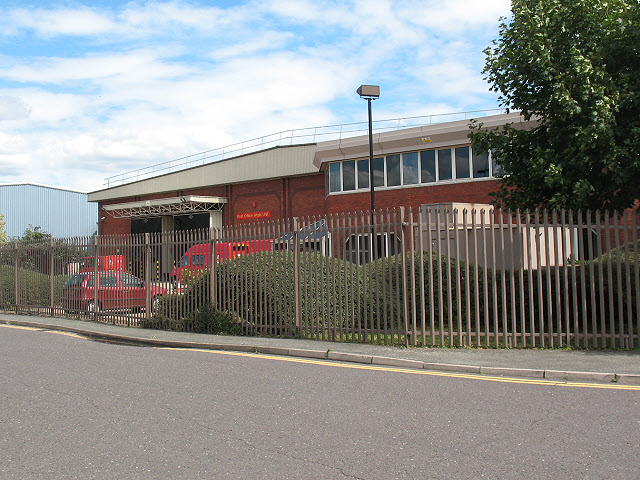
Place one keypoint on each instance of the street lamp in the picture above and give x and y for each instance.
(370, 92)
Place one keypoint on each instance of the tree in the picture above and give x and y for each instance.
(34, 234)
(3, 231)
(573, 65)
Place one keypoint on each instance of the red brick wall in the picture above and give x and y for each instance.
(250, 198)
(111, 225)
(305, 196)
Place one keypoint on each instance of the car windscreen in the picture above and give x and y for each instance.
(197, 260)
(74, 281)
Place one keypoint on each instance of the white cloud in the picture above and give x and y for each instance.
(13, 108)
(67, 21)
(267, 41)
(142, 64)
(455, 16)
(143, 83)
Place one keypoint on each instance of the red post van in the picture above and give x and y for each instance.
(105, 263)
(198, 257)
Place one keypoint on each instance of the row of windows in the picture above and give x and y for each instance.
(426, 166)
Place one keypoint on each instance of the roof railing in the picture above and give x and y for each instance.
(297, 136)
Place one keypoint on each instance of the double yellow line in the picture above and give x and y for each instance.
(379, 368)
(412, 371)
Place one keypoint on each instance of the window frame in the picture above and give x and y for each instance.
(337, 168)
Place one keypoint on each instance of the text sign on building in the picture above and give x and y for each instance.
(253, 215)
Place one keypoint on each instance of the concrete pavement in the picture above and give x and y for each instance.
(555, 365)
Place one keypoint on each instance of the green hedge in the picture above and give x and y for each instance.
(205, 319)
(258, 290)
(33, 287)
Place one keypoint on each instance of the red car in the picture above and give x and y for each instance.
(116, 290)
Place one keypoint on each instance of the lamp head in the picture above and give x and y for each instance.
(369, 91)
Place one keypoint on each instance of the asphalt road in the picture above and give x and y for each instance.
(74, 408)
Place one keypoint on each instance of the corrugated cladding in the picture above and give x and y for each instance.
(62, 213)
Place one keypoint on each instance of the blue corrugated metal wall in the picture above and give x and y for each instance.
(62, 213)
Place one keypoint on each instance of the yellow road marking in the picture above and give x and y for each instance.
(67, 334)
(20, 327)
(38, 329)
(382, 368)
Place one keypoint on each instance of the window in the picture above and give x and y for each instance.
(410, 168)
(462, 162)
(349, 175)
(497, 169)
(393, 170)
(480, 165)
(335, 182)
(107, 280)
(130, 281)
(74, 281)
(378, 172)
(363, 173)
(428, 166)
(359, 247)
(444, 165)
(197, 260)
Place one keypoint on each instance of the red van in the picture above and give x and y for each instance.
(198, 257)
(105, 262)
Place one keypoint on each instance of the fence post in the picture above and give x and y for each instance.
(15, 274)
(147, 276)
(51, 264)
(405, 289)
(213, 280)
(95, 278)
(296, 273)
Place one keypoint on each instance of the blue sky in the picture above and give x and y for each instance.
(93, 89)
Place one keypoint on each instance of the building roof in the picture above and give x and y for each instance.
(287, 161)
(416, 138)
(21, 184)
(274, 162)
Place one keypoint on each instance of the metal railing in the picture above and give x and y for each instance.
(287, 138)
(435, 277)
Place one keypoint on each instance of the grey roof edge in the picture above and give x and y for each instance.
(31, 184)
(332, 150)
(100, 195)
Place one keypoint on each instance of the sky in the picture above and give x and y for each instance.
(94, 89)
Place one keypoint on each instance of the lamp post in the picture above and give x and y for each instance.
(370, 92)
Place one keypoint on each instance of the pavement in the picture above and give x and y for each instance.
(561, 365)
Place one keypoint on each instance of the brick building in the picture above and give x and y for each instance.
(412, 166)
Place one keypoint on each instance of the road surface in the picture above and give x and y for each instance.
(75, 408)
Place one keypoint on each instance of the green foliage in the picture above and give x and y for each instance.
(204, 319)
(260, 286)
(3, 229)
(34, 234)
(575, 66)
(34, 288)
(441, 296)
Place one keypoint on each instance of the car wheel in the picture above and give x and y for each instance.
(155, 304)
(92, 307)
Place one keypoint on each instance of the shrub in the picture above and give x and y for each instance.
(205, 319)
(33, 287)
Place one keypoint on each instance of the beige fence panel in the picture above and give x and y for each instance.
(454, 275)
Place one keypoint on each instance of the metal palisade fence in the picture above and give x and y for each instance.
(438, 276)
